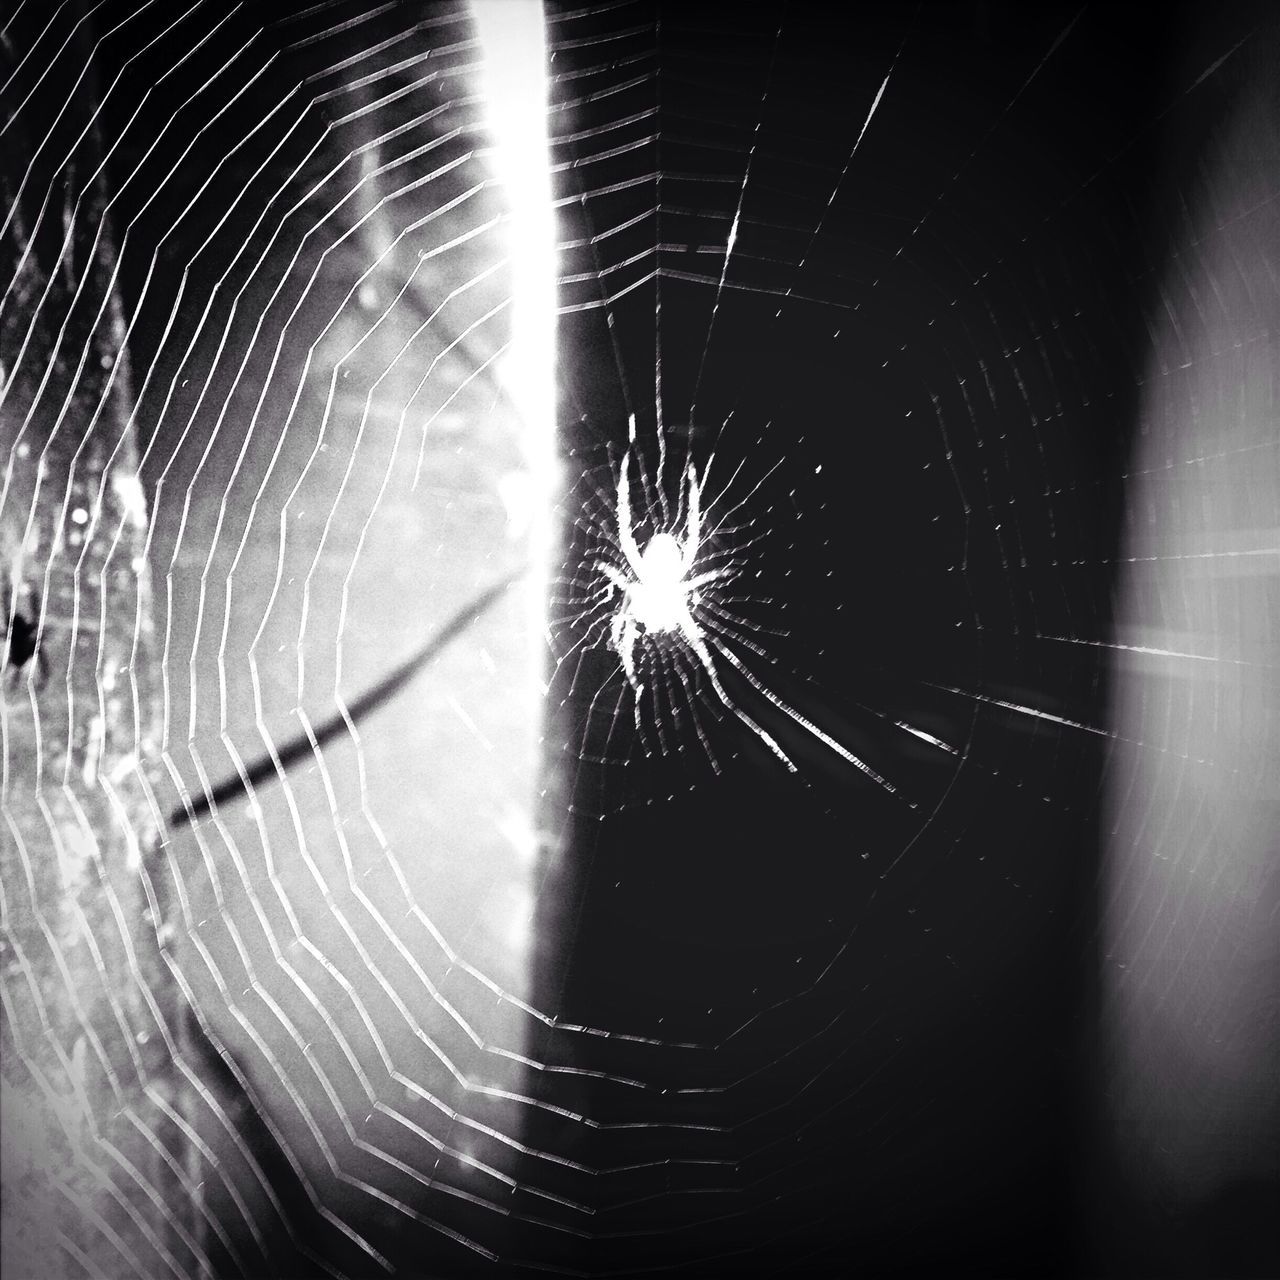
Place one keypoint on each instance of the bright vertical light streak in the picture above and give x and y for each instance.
(514, 79)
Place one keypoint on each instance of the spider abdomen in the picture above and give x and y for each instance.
(659, 595)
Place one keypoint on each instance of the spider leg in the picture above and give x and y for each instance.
(711, 575)
(630, 639)
(626, 532)
(804, 722)
(622, 632)
(614, 576)
(693, 637)
(628, 665)
(693, 517)
(688, 540)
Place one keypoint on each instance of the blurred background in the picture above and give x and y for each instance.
(361, 917)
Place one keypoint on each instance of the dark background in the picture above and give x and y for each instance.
(934, 1099)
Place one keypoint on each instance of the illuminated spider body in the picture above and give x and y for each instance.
(654, 591)
(658, 587)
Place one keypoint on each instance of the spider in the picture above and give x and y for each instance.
(661, 592)
(659, 589)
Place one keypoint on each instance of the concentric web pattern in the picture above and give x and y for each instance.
(857, 324)
(908, 334)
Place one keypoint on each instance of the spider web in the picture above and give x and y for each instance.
(693, 1005)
